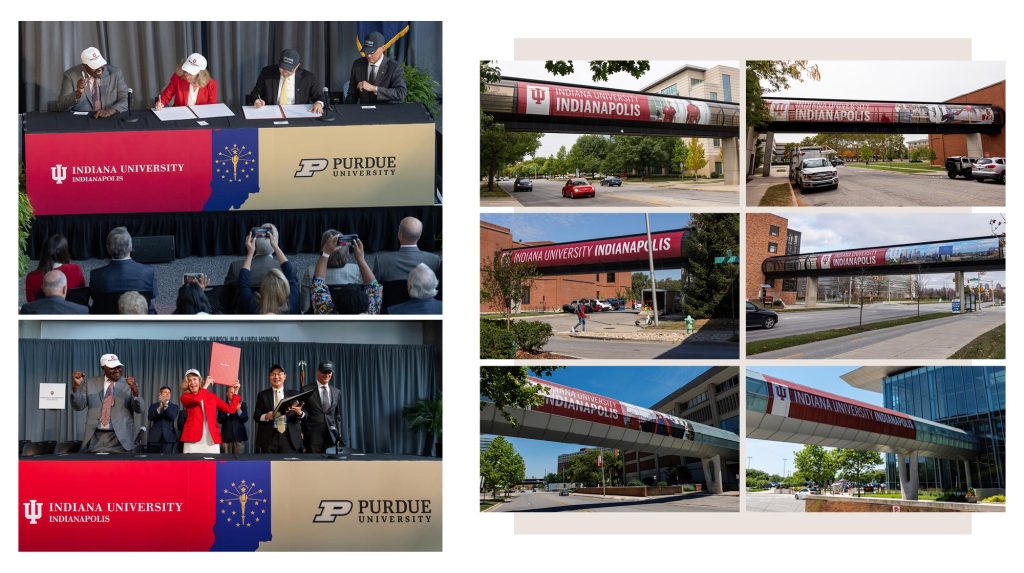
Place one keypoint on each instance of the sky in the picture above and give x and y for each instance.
(832, 231)
(892, 81)
(550, 143)
(767, 455)
(561, 227)
(638, 385)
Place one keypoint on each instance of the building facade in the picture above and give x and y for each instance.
(953, 144)
(549, 293)
(713, 399)
(718, 83)
(769, 236)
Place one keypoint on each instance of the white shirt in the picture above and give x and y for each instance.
(373, 70)
(193, 94)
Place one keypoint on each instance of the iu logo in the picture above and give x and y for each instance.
(33, 511)
(538, 94)
(826, 261)
(331, 509)
(780, 391)
(59, 173)
(537, 101)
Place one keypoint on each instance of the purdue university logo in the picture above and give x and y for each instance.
(331, 509)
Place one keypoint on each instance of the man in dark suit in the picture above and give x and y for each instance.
(55, 288)
(110, 404)
(375, 79)
(122, 274)
(323, 412)
(162, 416)
(422, 285)
(288, 84)
(93, 86)
(396, 265)
(233, 435)
(277, 434)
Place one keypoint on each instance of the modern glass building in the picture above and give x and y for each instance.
(970, 398)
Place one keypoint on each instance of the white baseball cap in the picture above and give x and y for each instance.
(110, 361)
(192, 371)
(92, 58)
(194, 64)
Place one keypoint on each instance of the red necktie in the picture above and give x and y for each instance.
(108, 402)
(96, 103)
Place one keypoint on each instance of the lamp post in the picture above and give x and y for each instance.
(783, 468)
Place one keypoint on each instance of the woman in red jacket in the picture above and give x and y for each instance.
(201, 434)
(191, 84)
(53, 255)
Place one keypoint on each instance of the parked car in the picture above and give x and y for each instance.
(563, 491)
(617, 303)
(578, 188)
(802, 494)
(990, 168)
(522, 184)
(838, 161)
(960, 165)
(570, 306)
(815, 173)
(757, 316)
(603, 305)
(611, 181)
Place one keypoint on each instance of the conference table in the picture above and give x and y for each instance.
(220, 502)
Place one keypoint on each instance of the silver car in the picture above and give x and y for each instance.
(817, 172)
(990, 168)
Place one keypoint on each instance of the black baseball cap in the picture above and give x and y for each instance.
(289, 60)
(326, 366)
(372, 41)
(275, 367)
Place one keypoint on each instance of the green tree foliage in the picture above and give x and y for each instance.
(767, 76)
(642, 154)
(583, 468)
(588, 152)
(489, 74)
(504, 282)
(25, 216)
(499, 148)
(855, 464)
(501, 466)
(710, 287)
(639, 281)
(421, 88)
(680, 151)
(817, 464)
(695, 160)
(552, 478)
(508, 387)
(600, 69)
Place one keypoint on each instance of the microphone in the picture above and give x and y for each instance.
(138, 438)
(327, 106)
(130, 119)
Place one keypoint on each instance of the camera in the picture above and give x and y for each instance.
(260, 233)
(191, 278)
(347, 241)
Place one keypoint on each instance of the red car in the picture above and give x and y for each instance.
(578, 188)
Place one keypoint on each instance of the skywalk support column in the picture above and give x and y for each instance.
(974, 148)
(958, 286)
(769, 146)
(731, 160)
(811, 298)
(967, 472)
(713, 473)
(909, 481)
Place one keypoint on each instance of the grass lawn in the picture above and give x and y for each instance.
(797, 339)
(900, 166)
(485, 504)
(781, 310)
(991, 345)
(710, 324)
(921, 495)
(495, 316)
(777, 196)
(496, 194)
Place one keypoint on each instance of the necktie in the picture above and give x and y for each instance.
(325, 398)
(284, 92)
(279, 420)
(96, 103)
(373, 74)
(108, 402)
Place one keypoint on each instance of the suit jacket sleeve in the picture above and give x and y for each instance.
(259, 90)
(170, 91)
(79, 399)
(211, 90)
(244, 416)
(315, 89)
(261, 408)
(352, 95)
(121, 105)
(395, 91)
(67, 98)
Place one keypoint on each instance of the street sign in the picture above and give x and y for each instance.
(729, 258)
(956, 306)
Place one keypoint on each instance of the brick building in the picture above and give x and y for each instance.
(949, 145)
(768, 236)
(550, 292)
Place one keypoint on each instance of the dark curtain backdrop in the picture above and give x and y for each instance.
(149, 52)
(376, 382)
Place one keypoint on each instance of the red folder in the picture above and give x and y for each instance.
(224, 362)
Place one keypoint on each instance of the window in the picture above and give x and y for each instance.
(716, 142)
(597, 277)
(526, 297)
(670, 90)
(713, 96)
(610, 277)
(718, 167)
(727, 86)
(773, 247)
(773, 230)
(695, 82)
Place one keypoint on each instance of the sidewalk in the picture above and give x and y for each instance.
(758, 185)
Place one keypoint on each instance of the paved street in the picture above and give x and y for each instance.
(932, 339)
(552, 502)
(802, 321)
(548, 193)
(869, 187)
(769, 501)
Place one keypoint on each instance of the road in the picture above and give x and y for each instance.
(548, 193)
(860, 187)
(803, 321)
(628, 349)
(552, 502)
(932, 339)
(770, 501)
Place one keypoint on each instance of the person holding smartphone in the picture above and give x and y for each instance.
(279, 290)
(364, 299)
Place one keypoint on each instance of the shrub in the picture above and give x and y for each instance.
(715, 175)
(635, 483)
(662, 484)
(531, 336)
(995, 499)
(689, 487)
(495, 341)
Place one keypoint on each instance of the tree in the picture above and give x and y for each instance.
(552, 478)
(817, 464)
(508, 387)
(865, 154)
(504, 282)
(588, 152)
(710, 288)
(600, 69)
(854, 464)
(501, 466)
(489, 74)
(679, 154)
(583, 468)
(695, 160)
(499, 148)
(767, 76)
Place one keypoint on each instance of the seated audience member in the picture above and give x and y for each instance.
(192, 298)
(341, 270)
(262, 260)
(55, 288)
(365, 299)
(132, 302)
(422, 290)
(53, 255)
(122, 274)
(396, 265)
(190, 84)
(279, 291)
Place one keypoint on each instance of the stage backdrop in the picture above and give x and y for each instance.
(376, 382)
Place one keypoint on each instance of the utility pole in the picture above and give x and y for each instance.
(650, 260)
